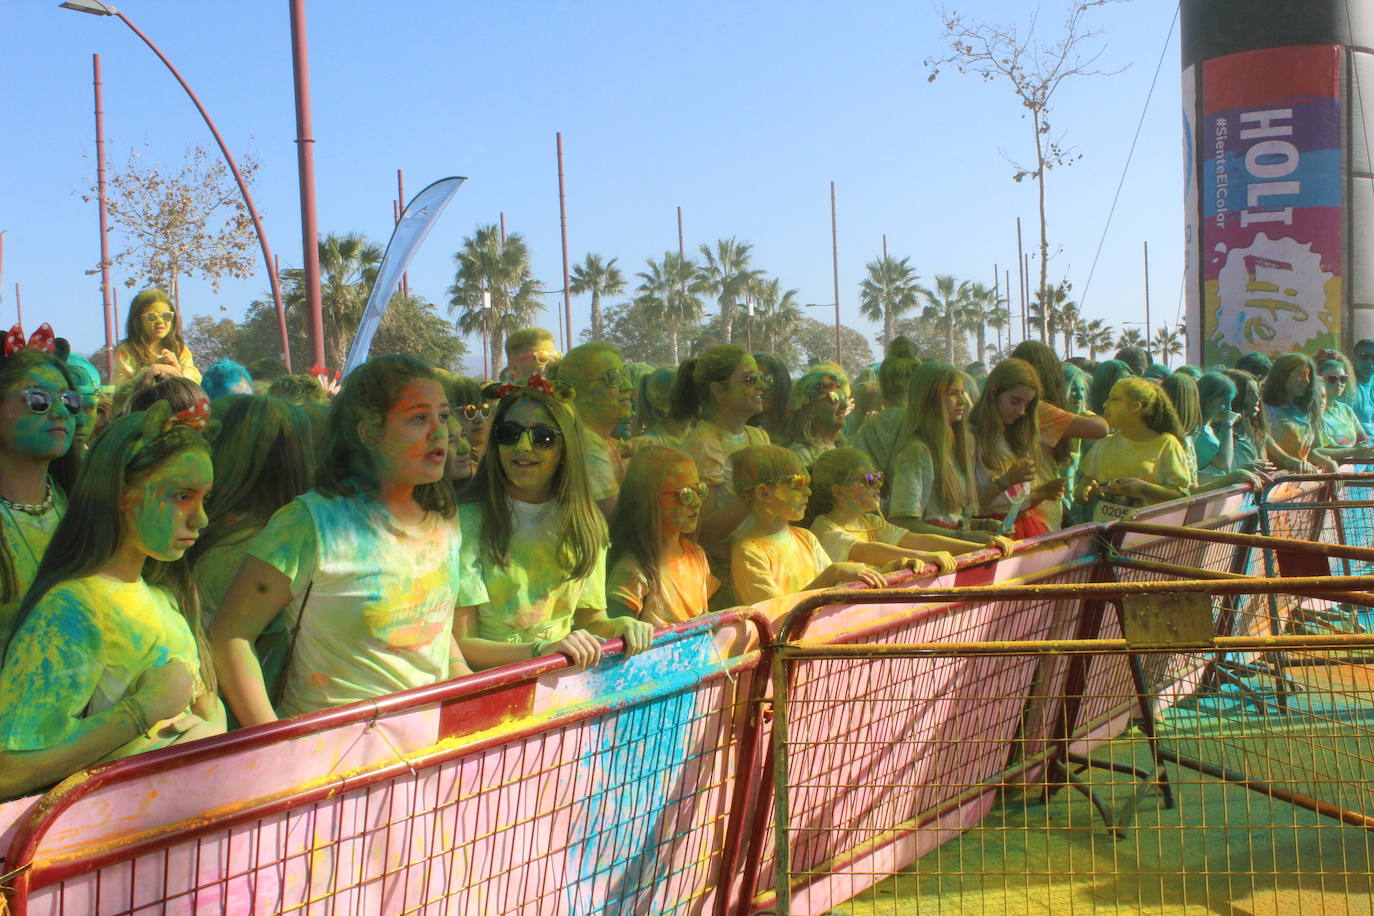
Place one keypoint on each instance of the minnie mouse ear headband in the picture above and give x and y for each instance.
(43, 340)
(560, 391)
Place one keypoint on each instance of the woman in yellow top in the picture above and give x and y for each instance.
(109, 659)
(152, 336)
(657, 571)
(1142, 461)
(769, 556)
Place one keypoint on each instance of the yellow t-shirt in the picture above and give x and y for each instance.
(685, 587)
(81, 649)
(1160, 460)
(532, 598)
(127, 364)
(776, 564)
(839, 540)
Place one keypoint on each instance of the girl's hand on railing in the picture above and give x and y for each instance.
(855, 572)
(637, 634)
(581, 647)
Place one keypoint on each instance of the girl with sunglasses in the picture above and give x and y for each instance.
(816, 412)
(109, 659)
(769, 556)
(543, 540)
(845, 488)
(657, 572)
(39, 404)
(152, 336)
(368, 567)
(1341, 428)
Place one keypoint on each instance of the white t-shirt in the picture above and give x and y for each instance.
(379, 618)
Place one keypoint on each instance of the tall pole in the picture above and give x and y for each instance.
(681, 243)
(1021, 276)
(996, 302)
(503, 227)
(835, 261)
(106, 301)
(1026, 294)
(18, 305)
(233, 168)
(401, 209)
(563, 222)
(1147, 298)
(884, 246)
(1007, 287)
(305, 157)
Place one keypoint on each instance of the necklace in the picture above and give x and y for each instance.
(31, 508)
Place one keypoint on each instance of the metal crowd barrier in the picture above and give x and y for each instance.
(641, 786)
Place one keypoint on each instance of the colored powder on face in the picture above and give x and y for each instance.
(49, 433)
(162, 508)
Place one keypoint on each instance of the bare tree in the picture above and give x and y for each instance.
(1034, 70)
(181, 223)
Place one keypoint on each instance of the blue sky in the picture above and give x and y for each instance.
(740, 113)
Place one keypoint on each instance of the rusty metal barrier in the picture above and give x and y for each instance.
(1271, 788)
(609, 791)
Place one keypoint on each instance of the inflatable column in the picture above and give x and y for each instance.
(1278, 112)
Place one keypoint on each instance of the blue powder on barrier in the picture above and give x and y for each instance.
(641, 765)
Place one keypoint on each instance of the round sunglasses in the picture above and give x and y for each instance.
(508, 433)
(690, 497)
(472, 412)
(40, 400)
(166, 317)
(1336, 379)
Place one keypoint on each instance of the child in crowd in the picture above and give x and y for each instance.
(530, 351)
(1142, 461)
(1292, 403)
(151, 386)
(657, 571)
(1013, 466)
(602, 398)
(542, 540)
(1341, 428)
(816, 412)
(263, 460)
(1251, 445)
(1214, 438)
(769, 556)
(38, 408)
(152, 337)
(472, 410)
(224, 378)
(877, 437)
(1061, 429)
(845, 488)
(721, 389)
(1183, 395)
(932, 489)
(368, 566)
(773, 418)
(653, 412)
(108, 659)
(88, 385)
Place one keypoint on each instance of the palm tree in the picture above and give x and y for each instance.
(776, 314)
(984, 309)
(1130, 337)
(599, 279)
(494, 291)
(672, 290)
(888, 292)
(1070, 320)
(1096, 336)
(1046, 311)
(727, 272)
(348, 268)
(1167, 343)
(945, 306)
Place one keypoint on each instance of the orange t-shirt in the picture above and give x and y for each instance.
(685, 587)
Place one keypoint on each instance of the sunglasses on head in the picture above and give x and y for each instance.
(166, 317)
(471, 412)
(40, 400)
(689, 496)
(874, 479)
(508, 433)
(1336, 379)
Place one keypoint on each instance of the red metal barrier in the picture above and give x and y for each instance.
(603, 791)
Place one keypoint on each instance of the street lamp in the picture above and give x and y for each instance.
(97, 8)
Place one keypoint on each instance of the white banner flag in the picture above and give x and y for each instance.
(423, 210)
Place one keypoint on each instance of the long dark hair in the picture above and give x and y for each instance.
(135, 331)
(581, 526)
(950, 444)
(692, 387)
(125, 452)
(263, 460)
(347, 465)
(13, 370)
(635, 527)
(1023, 436)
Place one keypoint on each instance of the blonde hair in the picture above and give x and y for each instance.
(1023, 436)
(757, 465)
(950, 444)
(1156, 410)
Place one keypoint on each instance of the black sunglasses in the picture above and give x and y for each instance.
(508, 432)
(40, 400)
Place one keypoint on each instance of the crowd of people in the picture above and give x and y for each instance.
(185, 553)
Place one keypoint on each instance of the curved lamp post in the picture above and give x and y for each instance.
(97, 8)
